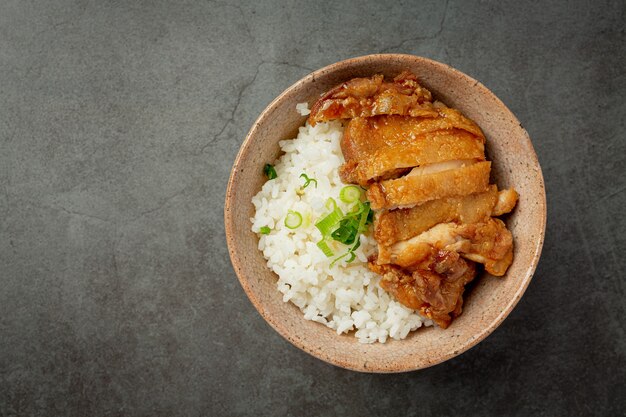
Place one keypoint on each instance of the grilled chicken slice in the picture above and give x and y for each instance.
(419, 249)
(402, 224)
(436, 292)
(431, 182)
(365, 97)
(489, 243)
(424, 166)
(506, 201)
(379, 147)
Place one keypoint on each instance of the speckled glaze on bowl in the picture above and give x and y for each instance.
(490, 300)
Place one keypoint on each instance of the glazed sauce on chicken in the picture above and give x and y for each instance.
(424, 167)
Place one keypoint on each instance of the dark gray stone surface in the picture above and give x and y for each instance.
(119, 122)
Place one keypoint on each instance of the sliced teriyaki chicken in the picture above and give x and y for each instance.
(506, 201)
(379, 147)
(436, 292)
(402, 224)
(489, 243)
(419, 249)
(424, 167)
(365, 97)
(431, 182)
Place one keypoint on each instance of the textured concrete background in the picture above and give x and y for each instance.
(119, 122)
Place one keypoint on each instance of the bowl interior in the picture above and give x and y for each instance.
(489, 301)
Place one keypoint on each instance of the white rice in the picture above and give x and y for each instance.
(344, 297)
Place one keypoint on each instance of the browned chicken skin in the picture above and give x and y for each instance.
(489, 243)
(396, 225)
(376, 147)
(419, 186)
(506, 201)
(436, 292)
(425, 169)
(365, 97)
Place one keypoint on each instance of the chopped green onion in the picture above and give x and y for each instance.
(337, 259)
(323, 245)
(326, 225)
(265, 230)
(308, 180)
(306, 222)
(345, 228)
(269, 171)
(350, 194)
(370, 217)
(357, 209)
(293, 220)
(352, 258)
(347, 231)
(364, 216)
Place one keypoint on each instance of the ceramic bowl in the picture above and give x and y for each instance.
(490, 300)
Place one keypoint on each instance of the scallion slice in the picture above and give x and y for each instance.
(293, 220)
(337, 259)
(323, 245)
(347, 231)
(350, 194)
(357, 209)
(349, 253)
(326, 225)
(269, 171)
(370, 217)
(345, 228)
(308, 180)
(265, 230)
(330, 204)
(364, 217)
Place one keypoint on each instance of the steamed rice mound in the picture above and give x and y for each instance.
(347, 296)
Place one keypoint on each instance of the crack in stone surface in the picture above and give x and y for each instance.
(158, 207)
(70, 212)
(240, 94)
(233, 111)
(243, 17)
(606, 197)
(114, 221)
(78, 213)
(423, 37)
